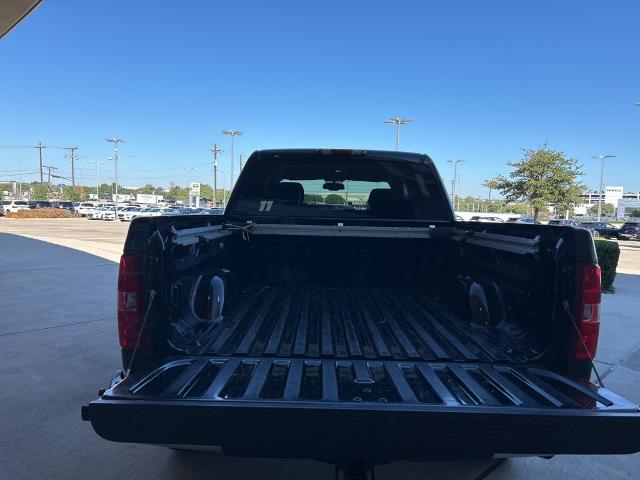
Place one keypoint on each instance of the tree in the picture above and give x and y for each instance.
(313, 198)
(147, 189)
(608, 209)
(105, 190)
(543, 176)
(179, 193)
(635, 213)
(491, 184)
(41, 191)
(71, 193)
(334, 198)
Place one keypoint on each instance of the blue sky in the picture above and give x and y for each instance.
(480, 79)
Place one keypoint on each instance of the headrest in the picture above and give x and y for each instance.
(286, 191)
(388, 203)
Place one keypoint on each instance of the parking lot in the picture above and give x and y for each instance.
(58, 345)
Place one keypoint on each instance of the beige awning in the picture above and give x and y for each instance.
(13, 11)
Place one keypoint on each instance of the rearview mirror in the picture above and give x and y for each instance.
(333, 185)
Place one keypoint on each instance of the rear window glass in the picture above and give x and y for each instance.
(20, 203)
(311, 185)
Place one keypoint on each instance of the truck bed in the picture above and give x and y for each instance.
(370, 323)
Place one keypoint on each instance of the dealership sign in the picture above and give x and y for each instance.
(194, 189)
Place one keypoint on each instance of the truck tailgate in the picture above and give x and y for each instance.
(374, 411)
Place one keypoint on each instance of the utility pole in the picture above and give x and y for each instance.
(73, 157)
(601, 192)
(50, 169)
(397, 121)
(215, 150)
(116, 141)
(40, 147)
(233, 134)
(453, 182)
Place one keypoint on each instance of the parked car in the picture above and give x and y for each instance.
(86, 208)
(629, 231)
(358, 336)
(125, 213)
(220, 211)
(601, 229)
(564, 222)
(478, 218)
(149, 212)
(14, 205)
(63, 205)
(99, 212)
(109, 214)
(34, 204)
(180, 211)
(527, 220)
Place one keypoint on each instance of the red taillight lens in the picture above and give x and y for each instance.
(587, 314)
(131, 300)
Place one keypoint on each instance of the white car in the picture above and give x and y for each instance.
(14, 205)
(109, 214)
(126, 214)
(149, 212)
(99, 213)
(480, 219)
(86, 209)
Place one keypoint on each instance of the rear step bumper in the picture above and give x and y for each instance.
(369, 435)
(371, 411)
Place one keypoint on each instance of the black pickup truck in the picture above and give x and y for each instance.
(337, 311)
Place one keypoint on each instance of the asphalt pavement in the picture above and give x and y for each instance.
(58, 346)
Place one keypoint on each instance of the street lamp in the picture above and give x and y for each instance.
(453, 182)
(116, 141)
(601, 192)
(97, 182)
(397, 121)
(215, 150)
(233, 133)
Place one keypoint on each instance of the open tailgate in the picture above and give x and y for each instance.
(375, 411)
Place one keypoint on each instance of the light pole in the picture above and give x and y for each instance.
(233, 133)
(97, 182)
(453, 182)
(116, 141)
(601, 193)
(215, 150)
(397, 121)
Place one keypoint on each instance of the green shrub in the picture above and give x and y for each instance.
(608, 253)
(41, 213)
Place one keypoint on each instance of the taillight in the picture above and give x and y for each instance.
(131, 300)
(587, 313)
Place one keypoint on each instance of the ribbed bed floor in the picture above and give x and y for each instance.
(345, 322)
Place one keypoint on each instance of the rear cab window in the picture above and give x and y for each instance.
(311, 185)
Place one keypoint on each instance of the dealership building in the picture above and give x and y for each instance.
(621, 200)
